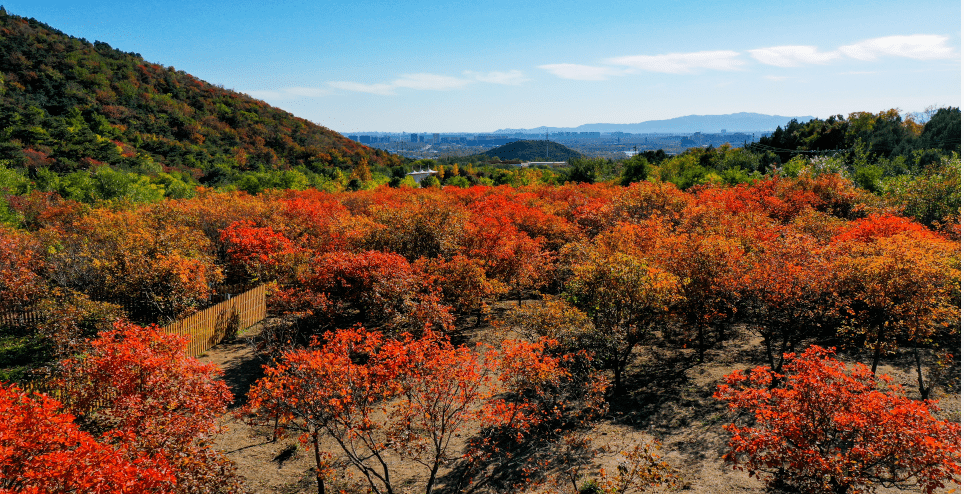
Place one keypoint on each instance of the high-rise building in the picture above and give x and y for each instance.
(365, 139)
(435, 138)
(414, 137)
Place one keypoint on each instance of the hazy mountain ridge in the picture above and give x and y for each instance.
(732, 122)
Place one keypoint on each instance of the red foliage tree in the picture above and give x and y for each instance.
(151, 397)
(377, 289)
(508, 254)
(462, 283)
(21, 269)
(830, 429)
(260, 254)
(376, 397)
(43, 451)
(898, 289)
(880, 226)
(785, 288)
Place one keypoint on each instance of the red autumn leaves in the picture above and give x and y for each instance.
(792, 259)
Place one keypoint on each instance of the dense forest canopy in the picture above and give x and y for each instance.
(886, 134)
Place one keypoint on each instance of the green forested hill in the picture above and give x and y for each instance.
(886, 135)
(67, 104)
(533, 151)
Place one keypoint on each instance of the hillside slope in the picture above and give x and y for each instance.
(69, 104)
(533, 151)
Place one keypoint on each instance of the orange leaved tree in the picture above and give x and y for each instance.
(627, 298)
(901, 289)
(828, 428)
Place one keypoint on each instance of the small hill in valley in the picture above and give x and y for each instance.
(67, 104)
(533, 151)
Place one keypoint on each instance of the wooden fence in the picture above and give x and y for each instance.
(209, 326)
(204, 330)
(18, 319)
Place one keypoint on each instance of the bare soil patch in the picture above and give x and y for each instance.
(669, 398)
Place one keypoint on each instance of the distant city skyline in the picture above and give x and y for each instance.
(484, 66)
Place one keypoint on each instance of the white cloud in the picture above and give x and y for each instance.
(511, 78)
(287, 93)
(681, 63)
(382, 89)
(792, 56)
(776, 78)
(263, 94)
(311, 92)
(581, 72)
(420, 81)
(917, 46)
(430, 82)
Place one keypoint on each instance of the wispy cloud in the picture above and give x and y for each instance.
(430, 82)
(263, 94)
(681, 63)
(776, 78)
(311, 92)
(581, 72)
(289, 93)
(510, 78)
(382, 89)
(917, 46)
(792, 56)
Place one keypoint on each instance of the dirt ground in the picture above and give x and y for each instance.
(670, 399)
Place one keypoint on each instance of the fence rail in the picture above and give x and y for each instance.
(209, 326)
(17, 319)
(204, 329)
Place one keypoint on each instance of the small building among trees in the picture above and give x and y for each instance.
(420, 175)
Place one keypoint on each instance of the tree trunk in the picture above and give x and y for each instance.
(430, 486)
(318, 474)
(877, 349)
(617, 380)
(785, 348)
(769, 347)
(699, 345)
(478, 318)
(924, 391)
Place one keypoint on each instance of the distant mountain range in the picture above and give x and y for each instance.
(733, 122)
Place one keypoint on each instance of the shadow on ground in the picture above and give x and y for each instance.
(241, 365)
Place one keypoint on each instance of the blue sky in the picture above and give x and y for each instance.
(478, 66)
